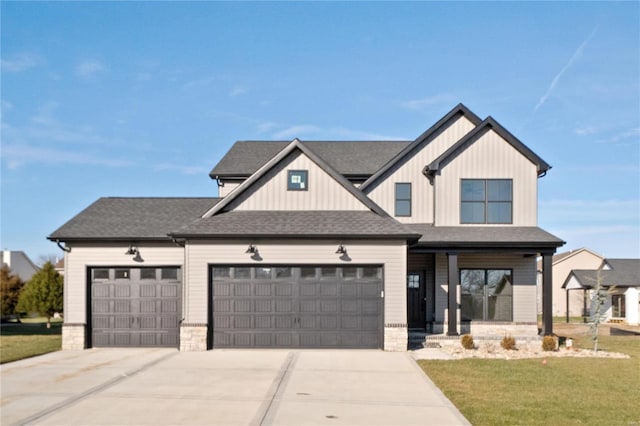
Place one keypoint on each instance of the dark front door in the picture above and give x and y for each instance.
(416, 300)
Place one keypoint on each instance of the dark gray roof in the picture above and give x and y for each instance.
(132, 218)
(623, 273)
(425, 138)
(488, 124)
(300, 224)
(349, 158)
(485, 236)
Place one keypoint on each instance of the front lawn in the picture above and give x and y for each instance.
(27, 339)
(585, 391)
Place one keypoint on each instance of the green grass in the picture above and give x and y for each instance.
(30, 338)
(567, 391)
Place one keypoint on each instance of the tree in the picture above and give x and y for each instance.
(598, 299)
(43, 293)
(10, 286)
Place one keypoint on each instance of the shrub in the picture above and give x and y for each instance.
(467, 341)
(549, 343)
(508, 343)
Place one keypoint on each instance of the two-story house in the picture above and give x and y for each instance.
(320, 244)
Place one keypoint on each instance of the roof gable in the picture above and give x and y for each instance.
(425, 138)
(295, 145)
(489, 124)
(623, 273)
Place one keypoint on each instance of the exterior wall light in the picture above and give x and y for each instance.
(341, 250)
(252, 249)
(132, 250)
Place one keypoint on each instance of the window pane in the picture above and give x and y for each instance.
(263, 273)
(403, 191)
(328, 272)
(472, 281)
(100, 274)
(148, 273)
(221, 272)
(349, 273)
(472, 212)
(499, 213)
(283, 272)
(499, 190)
(122, 274)
(308, 273)
(370, 272)
(413, 281)
(472, 190)
(297, 180)
(169, 273)
(472, 306)
(499, 308)
(499, 282)
(403, 208)
(242, 273)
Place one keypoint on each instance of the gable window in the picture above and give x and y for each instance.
(486, 294)
(297, 180)
(486, 201)
(403, 199)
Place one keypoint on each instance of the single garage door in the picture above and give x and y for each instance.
(135, 306)
(297, 306)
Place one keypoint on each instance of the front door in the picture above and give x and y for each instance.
(416, 300)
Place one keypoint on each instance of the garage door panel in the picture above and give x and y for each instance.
(135, 307)
(303, 306)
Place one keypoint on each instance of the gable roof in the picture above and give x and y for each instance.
(422, 140)
(623, 273)
(488, 124)
(349, 158)
(296, 145)
(298, 223)
(561, 257)
(132, 219)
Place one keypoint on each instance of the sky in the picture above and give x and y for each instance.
(144, 98)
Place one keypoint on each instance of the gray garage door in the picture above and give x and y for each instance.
(301, 306)
(135, 306)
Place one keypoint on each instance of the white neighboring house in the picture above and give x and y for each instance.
(622, 278)
(19, 263)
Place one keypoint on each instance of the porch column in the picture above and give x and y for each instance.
(547, 295)
(452, 329)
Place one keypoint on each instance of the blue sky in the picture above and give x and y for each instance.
(143, 99)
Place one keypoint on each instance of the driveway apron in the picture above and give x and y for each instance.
(221, 387)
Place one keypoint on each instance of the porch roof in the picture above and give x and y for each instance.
(484, 237)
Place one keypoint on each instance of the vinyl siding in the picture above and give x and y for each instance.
(392, 255)
(524, 281)
(270, 192)
(226, 189)
(83, 256)
(411, 171)
(583, 259)
(490, 157)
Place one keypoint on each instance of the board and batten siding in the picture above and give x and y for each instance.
(83, 256)
(411, 172)
(392, 255)
(270, 191)
(524, 281)
(226, 189)
(490, 157)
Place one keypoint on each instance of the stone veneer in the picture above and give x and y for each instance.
(490, 329)
(193, 337)
(396, 337)
(73, 337)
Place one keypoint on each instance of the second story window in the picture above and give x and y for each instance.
(297, 180)
(486, 201)
(403, 199)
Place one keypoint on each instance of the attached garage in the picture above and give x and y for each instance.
(301, 306)
(135, 307)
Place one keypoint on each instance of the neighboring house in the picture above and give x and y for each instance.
(59, 266)
(19, 263)
(320, 244)
(621, 278)
(563, 264)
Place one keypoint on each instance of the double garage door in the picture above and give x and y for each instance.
(135, 306)
(311, 306)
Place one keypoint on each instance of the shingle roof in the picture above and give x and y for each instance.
(623, 273)
(349, 158)
(483, 236)
(307, 224)
(132, 218)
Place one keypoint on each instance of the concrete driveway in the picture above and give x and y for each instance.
(222, 387)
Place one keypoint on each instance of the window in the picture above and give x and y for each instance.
(148, 273)
(169, 273)
(403, 199)
(122, 274)
(297, 180)
(486, 201)
(100, 274)
(487, 294)
(413, 281)
(618, 306)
